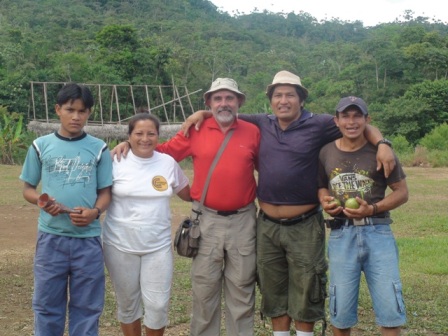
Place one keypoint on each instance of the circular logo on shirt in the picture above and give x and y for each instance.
(159, 183)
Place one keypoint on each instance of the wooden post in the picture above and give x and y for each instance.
(111, 100)
(101, 104)
(32, 97)
(147, 98)
(174, 99)
(46, 101)
(188, 97)
(133, 100)
(180, 103)
(163, 102)
(116, 102)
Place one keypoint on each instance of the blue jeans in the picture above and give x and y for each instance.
(68, 270)
(370, 249)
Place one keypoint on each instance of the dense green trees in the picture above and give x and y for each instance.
(400, 68)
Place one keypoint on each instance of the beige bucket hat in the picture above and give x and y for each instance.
(288, 78)
(225, 84)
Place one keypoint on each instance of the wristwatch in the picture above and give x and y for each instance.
(384, 141)
(99, 212)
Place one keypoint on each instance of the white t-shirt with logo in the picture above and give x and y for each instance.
(138, 219)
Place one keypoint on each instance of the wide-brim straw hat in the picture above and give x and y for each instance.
(225, 84)
(287, 78)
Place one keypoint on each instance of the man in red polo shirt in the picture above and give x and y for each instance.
(226, 257)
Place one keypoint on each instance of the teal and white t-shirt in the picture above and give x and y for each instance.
(71, 171)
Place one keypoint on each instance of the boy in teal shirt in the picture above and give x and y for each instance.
(75, 169)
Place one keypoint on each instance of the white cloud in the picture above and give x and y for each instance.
(370, 12)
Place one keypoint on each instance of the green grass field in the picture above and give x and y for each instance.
(420, 226)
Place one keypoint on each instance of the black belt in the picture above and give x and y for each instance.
(337, 223)
(294, 220)
(227, 213)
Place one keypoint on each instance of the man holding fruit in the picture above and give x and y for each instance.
(352, 190)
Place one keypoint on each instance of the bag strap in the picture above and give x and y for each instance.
(214, 163)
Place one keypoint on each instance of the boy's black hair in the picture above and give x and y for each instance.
(73, 91)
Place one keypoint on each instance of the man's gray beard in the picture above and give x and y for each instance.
(225, 118)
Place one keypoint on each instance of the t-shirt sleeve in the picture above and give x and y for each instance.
(32, 167)
(181, 180)
(322, 178)
(104, 171)
(330, 130)
(252, 118)
(178, 147)
(397, 174)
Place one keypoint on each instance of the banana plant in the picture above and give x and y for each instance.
(11, 127)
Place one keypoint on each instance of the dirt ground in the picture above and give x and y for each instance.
(18, 229)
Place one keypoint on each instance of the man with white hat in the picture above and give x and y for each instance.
(291, 260)
(226, 260)
(290, 230)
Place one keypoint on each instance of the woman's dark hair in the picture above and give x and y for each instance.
(73, 91)
(143, 116)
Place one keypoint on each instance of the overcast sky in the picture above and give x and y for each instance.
(370, 12)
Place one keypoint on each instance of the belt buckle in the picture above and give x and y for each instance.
(359, 222)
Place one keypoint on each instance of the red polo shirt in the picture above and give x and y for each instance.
(232, 185)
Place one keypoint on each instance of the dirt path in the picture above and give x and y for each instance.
(18, 230)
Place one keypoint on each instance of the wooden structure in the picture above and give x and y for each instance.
(114, 105)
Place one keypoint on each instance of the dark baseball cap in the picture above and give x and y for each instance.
(352, 101)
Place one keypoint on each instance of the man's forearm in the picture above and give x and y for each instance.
(373, 134)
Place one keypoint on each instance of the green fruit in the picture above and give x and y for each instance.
(352, 203)
(338, 202)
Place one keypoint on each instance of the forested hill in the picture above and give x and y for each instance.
(400, 68)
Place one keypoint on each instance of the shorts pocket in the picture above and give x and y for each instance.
(245, 266)
(205, 250)
(319, 292)
(332, 303)
(399, 296)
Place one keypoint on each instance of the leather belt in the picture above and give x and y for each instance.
(337, 223)
(227, 213)
(291, 221)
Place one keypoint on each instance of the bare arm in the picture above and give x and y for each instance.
(31, 195)
(397, 197)
(87, 215)
(385, 156)
(195, 119)
(184, 194)
(120, 150)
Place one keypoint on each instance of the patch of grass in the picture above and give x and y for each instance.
(420, 227)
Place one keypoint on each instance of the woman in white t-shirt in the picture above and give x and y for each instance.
(137, 229)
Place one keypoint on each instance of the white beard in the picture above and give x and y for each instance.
(225, 117)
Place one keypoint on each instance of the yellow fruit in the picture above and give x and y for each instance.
(352, 203)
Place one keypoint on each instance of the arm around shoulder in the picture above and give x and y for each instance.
(385, 156)
(195, 119)
(120, 150)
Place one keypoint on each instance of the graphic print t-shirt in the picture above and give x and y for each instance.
(351, 174)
